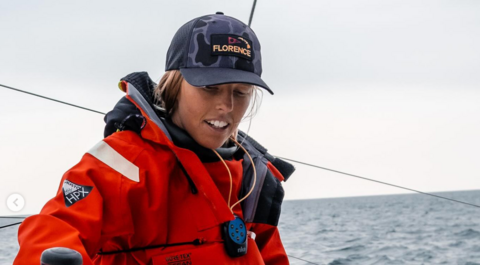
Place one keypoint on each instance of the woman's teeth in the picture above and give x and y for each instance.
(217, 124)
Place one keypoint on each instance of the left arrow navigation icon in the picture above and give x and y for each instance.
(15, 202)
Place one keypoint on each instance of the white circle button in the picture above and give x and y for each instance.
(15, 202)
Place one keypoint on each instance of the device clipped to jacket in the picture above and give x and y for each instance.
(235, 237)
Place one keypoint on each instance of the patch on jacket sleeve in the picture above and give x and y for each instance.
(72, 192)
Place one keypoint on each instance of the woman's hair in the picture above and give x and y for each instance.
(166, 94)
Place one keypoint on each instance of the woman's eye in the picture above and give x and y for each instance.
(210, 88)
(240, 93)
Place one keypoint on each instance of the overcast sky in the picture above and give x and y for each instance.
(388, 90)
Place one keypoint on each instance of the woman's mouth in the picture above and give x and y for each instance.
(217, 124)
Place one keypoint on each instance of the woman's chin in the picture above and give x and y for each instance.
(211, 138)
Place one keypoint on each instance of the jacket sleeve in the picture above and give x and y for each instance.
(270, 245)
(75, 216)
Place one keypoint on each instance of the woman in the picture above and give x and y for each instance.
(175, 183)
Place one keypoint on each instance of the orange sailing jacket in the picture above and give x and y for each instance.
(140, 199)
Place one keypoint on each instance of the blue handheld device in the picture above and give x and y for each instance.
(235, 237)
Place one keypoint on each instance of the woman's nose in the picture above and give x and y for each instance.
(225, 102)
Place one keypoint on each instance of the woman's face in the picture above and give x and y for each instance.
(211, 114)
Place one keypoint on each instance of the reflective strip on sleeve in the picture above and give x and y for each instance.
(105, 153)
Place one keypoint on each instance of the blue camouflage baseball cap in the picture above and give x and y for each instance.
(216, 49)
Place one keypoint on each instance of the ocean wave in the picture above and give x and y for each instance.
(425, 255)
(324, 231)
(352, 248)
(469, 233)
(385, 260)
(353, 240)
(457, 244)
(391, 249)
(475, 249)
(340, 262)
(351, 259)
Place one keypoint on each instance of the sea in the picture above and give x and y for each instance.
(389, 229)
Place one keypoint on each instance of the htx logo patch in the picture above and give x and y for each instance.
(72, 192)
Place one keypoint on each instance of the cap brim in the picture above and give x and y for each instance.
(216, 76)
